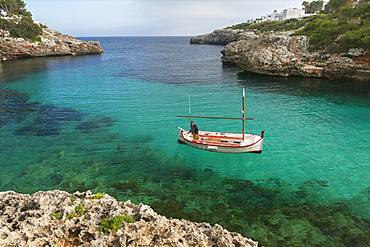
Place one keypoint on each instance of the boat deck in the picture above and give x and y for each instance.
(222, 138)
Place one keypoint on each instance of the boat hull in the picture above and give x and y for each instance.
(223, 142)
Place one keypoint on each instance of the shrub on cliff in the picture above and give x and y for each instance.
(25, 28)
(19, 23)
(313, 7)
(344, 27)
(109, 225)
(14, 7)
(276, 26)
(336, 5)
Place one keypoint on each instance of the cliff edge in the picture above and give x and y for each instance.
(51, 43)
(334, 44)
(286, 54)
(21, 36)
(57, 218)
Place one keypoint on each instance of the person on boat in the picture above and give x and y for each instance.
(194, 130)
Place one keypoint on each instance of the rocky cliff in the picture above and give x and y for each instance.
(57, 218)
(51, 43)
(222, 37)
(286, 54)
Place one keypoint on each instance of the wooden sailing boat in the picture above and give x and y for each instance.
(221, 141)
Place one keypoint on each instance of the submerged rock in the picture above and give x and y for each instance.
(286, 54)
(92, 125)
(48, 120)
(15, 106)
(57, 218)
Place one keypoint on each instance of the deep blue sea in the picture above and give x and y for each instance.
(107, 123)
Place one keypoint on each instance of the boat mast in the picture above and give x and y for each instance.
(243, 113)
(190, 110)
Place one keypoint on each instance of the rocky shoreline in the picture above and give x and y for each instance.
(286, 54)
(57, 218)
(51, 43)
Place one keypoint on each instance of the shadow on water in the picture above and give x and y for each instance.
(17, 69)
(301, 86)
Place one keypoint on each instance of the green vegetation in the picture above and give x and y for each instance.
(98, 196)
(313, 7)
(14, 7)
(21, 24)
(25, 28)
(78, 212)
(73, 198)
(58, 215)
(276, 26)
(109, 225)
(342, 25)
(334, 6)
(36, 39)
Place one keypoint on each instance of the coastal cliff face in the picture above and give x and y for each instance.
(52, 43)
(57, 218)
(286, 54)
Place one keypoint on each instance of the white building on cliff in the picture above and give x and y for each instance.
(293, 13)
(286, 14)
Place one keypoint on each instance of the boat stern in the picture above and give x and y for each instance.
(257, 149)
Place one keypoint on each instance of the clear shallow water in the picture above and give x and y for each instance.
(107, 123)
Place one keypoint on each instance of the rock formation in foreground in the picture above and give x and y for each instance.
(286, 54)
(52, 43)
(57, 218)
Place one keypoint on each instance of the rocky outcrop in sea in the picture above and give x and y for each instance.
(286, 54)
(52, 43)
(57, 218)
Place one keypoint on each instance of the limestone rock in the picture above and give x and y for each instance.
(50, 219)
(222, 37)
(268, 54)
(286, 54)
(52, 43)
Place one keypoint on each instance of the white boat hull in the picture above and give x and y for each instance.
(223, 142)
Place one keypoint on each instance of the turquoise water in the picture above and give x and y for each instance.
(107, 123)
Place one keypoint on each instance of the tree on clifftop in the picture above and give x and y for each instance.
(335, 6)
(345, 25)
(313, 7)
(22, 27)
(305, 4)
(14, 7)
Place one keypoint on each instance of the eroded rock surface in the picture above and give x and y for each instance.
(285, 54)
(50, 219)
(223, 37)
(52, 43)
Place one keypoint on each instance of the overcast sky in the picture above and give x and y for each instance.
(148, 17)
